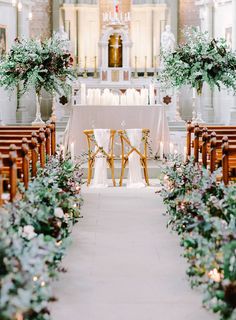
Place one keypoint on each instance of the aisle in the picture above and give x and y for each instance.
(124, 264)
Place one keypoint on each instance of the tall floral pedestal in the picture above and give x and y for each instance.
(197, 107)
(38, 120)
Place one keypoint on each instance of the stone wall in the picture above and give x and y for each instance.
(41, 25)
(188, 16)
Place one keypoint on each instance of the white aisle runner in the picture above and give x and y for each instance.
(124, 264)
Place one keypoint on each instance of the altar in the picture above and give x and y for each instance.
(117, 117)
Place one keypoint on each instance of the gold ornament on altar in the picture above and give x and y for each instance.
(145, 68)
(135, 67)
(155, 66)
(115, 51)
(95, 75)
(85, 75)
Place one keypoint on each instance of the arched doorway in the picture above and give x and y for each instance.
(115, 51)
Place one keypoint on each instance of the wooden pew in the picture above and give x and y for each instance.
(40, 139)
(201, 142)
(50, 134)
(211, 128)
(8, 168)
(222, 153)
(23, 161)
(18, 135)
(30, 143)
(228, 159)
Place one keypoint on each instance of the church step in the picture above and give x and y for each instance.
(154, 170)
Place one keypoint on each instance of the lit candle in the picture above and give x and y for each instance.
(151, 94)
(83, 93)
(161, 150)
(194, 93)
(72, 151)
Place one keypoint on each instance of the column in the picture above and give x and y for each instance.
(233, 109)
(208, 110)
(21, 108)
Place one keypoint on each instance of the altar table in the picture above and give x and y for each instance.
(117, 117)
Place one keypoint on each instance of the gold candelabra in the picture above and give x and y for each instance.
(155, 66)
(135, 67)
(85, 74)
(95, 75)
(145, 68)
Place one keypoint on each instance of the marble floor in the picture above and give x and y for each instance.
(124, 264)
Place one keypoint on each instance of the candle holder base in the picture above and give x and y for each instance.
(199, 118)
(38, 122)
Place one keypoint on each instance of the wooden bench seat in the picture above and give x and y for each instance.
(21, 147)
(49, 131)
(8, 169)
(217, 146)
(228, 160)
(198, 129)
(35, 141)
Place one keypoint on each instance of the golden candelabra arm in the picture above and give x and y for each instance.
(135, 67)
(95, 75)
(145, 68)
(155, 66)
(85, 74)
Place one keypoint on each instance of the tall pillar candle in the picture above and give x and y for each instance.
(72, 151)
(83, 93)
(151, 94)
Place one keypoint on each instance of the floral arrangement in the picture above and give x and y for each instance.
(200, 60)
(34, 233)
(203, 212)
(39, 65)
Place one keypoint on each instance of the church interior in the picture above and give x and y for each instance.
(117, 159)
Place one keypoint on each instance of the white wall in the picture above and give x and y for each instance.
(8, 18)
(88, 31)
(223, 101)
(146, 24)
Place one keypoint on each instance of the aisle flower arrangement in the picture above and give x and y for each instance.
(34, 234)
(39, 65)
(200, 60)
(203, 212)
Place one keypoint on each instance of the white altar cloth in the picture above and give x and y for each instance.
(112, 117)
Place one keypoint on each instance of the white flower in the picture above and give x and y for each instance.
(28, 232)
(58, 212)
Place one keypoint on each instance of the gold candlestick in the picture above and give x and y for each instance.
(135, 67)
(145, 68)
(155, 66)
(95, 68)
(85, 75)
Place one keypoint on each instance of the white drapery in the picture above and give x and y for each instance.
(152, 117)
(102, 138)
(135, 179)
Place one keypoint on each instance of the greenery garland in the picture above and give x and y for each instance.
(203, 212)
(34, 233)
(200, 60)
